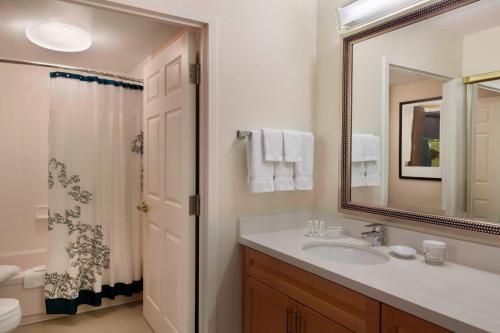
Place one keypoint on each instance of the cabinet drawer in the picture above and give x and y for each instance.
(352, 310)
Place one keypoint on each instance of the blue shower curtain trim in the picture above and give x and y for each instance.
(96, 79)
(89, 297)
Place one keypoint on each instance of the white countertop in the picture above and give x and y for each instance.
(456, 297)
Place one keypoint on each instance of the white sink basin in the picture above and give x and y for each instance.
(346, 253)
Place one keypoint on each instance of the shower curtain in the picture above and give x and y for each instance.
(95, 161)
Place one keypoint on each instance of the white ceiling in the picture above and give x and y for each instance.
(120, 40)
(481, 15)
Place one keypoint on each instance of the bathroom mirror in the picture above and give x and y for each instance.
(421, 119)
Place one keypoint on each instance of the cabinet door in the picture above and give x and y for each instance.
(265, 310)
(310, 321)
(397, 321)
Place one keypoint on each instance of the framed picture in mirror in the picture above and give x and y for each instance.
(419, 139)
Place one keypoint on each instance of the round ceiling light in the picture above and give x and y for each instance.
(59, 37)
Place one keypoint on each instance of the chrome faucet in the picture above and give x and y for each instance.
(376, 235)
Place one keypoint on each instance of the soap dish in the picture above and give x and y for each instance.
(403, 251)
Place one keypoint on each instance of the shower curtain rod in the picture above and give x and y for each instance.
(80, 69)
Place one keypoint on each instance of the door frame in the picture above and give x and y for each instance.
(206, 24)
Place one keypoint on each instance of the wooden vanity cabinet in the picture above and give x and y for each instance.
(269, 311)
(266, 310)
(281, 298)
(397, 321)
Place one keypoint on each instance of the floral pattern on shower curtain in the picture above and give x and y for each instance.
(95, 166)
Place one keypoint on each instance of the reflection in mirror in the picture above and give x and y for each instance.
(484, 194)
(421, 139)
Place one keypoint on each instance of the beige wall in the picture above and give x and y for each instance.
(404, 193)
(327, 117)
(24, 110)
(481, 52)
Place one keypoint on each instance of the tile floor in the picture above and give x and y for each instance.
(120, 319)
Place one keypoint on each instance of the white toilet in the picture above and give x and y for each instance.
(10, 310)
(10, 314)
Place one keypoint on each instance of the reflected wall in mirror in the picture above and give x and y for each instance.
(421, 140)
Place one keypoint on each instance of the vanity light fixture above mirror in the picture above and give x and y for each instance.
(355, 13)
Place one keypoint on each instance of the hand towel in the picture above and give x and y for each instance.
(260, 172)
(34, 277)
(283, 176)
(371, 147)
(358, 177)
(293, 145)
(357, 148)
(304, 169)
(273, 145)
(372, 173)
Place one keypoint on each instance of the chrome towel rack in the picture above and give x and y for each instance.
(243, 134)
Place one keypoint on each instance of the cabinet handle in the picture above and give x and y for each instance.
(287, 319)
(297, 323)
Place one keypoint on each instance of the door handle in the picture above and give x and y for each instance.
(143, 207)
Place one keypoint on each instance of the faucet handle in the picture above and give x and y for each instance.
(375, 227)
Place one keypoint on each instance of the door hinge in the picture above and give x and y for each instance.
(194, 73)
(194, 205)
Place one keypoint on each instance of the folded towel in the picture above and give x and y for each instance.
(293, 145)
(357, 148)
(305, 168)
(34, 277)
(358, 177)
(273, 145)
(283, 176)
(260, 172)
(372, 169)
(8, 271)
(371, 147)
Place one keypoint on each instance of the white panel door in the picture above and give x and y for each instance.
(169, 180)
(486, 199)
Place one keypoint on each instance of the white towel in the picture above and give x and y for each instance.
(304, 169)
(283, 176)
(358, 177)
(34, 277)
(371, 153)
(273, 145)
(372, 173)
(260, 172)
(357, 148)
(8, 271)
(293, 145)
(371, 147)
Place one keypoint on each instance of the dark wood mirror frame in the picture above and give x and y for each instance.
(483, 232)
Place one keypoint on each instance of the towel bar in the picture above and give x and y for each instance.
(243, 134)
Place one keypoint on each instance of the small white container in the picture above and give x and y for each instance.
(434, 252)
(333, 233)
